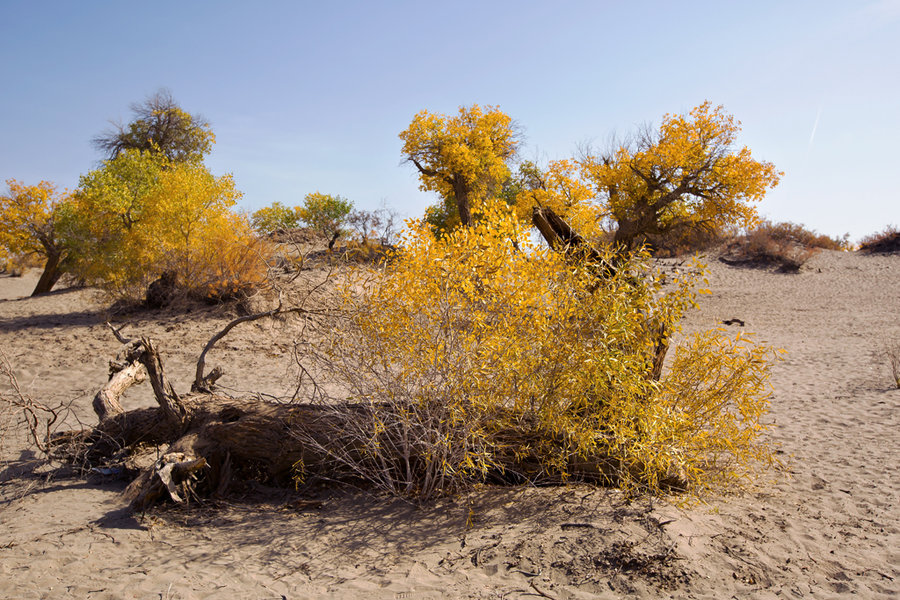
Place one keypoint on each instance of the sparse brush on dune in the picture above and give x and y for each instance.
(784, 246)
(887, 240)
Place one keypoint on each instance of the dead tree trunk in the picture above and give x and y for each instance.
(563, 238)
(202, 432)
(208, 441)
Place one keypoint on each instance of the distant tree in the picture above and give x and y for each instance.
(275, 216)
(686, 174)
(141, 215)
(159, 125)
(326, 214)
(28, 225)
(464, 158)
(374, 225)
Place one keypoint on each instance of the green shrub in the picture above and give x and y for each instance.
(275, 217)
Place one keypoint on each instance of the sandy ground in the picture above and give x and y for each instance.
(824, 527)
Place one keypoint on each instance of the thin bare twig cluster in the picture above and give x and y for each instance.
(20, 412)
(892, 351)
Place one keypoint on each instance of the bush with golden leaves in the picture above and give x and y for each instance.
(141, 215)
(478, 355)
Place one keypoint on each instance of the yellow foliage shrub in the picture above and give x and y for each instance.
(141, 216)
(477, 354)
(225, 260)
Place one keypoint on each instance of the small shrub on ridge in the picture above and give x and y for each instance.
(884, 241)
(786, 246)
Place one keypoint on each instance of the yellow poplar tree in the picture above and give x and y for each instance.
(464, 158)
(141, 215)
(28, 226)
(686, 174)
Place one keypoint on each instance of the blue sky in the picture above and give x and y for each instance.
(307, 96)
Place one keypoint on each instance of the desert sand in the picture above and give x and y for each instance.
(823, 526)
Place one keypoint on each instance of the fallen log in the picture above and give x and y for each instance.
(221, 440)
(208, 441)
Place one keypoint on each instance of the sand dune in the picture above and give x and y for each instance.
(826, 526)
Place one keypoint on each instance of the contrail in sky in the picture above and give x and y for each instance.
(812, 135)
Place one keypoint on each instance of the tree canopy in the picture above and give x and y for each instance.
(28, 215)
(141, 215)
(688, 174)
(464, 158)
(159, 125)
(275, 216)
(325, 213)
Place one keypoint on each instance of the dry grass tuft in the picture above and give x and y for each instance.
(884, 241)
(783, 246)
(892, 351)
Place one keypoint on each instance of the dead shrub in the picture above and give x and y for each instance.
(892, 352)
(800, 235)
(885, 241)
(374, 226)
(367, 251)
(784, 246)
(39, 422)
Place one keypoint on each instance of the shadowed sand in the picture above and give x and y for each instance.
(825, 527)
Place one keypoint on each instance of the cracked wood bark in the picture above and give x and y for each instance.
(563, 238)
(169, 402)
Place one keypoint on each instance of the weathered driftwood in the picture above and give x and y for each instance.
(204, 432)
(122, 375)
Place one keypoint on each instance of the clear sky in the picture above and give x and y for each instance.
(307, 96)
